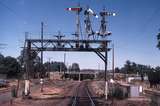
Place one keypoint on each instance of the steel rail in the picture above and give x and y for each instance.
(75, 96)
(92, 102)
(74, 103)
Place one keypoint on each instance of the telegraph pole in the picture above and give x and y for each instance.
(42, 43)
(41, 80)
(113, 60)
(64, 64)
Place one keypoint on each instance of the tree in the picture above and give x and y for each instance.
(55, 66)
(70, 68)
(1, 58)
(127, 67)
(62, 66)
(35, 62)
(75, 67)
(117, 70)
(10, 66)
(1, 64)
(23, 56)
(157, 68)
(158, 38)
(134, 67)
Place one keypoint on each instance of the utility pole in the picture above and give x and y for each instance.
(41, 80)
(64, 64)
(113, 60)
(42, 24)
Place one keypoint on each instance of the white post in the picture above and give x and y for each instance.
(79, 76)
(106, 90)
(140, 89)
(41, 82)
(95, 75)
(26, 91)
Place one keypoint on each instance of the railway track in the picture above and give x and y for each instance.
(82, 96)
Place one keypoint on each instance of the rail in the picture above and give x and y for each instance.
(75, 97)
(92, 103)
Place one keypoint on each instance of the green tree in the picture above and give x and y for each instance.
(10, 66)
(55, 66)
(134, 67)
(75, 67)
(117, 70)
(1, 64)
(36, 66)
(158, 38)
(1, 58)
(127, 67)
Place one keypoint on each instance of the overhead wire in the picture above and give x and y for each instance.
(150, 19)
(12, 11)
(4, 5)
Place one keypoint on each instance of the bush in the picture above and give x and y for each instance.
(117, 93)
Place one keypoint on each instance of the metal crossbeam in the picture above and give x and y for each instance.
(69, 49)
(68, 45)
(68, 41)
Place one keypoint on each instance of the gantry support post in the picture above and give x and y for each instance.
(28, 54)
(41, 46)
(106, 63)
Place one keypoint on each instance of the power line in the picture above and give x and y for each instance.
(8, 8)
(11, 10)
(150, 19)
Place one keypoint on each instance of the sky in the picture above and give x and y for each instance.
(134, 28)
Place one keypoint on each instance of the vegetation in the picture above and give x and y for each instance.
(158, 38)
(9, 66)
(15, 67)
(154, 77)
(74, 67)
(55, 66)
(133, 68)
(119, 94)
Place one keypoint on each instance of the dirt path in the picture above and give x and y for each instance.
(63, 98)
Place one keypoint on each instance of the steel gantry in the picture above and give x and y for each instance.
(66, 45)
(84, 44)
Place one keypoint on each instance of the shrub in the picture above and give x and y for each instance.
(118, 93)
